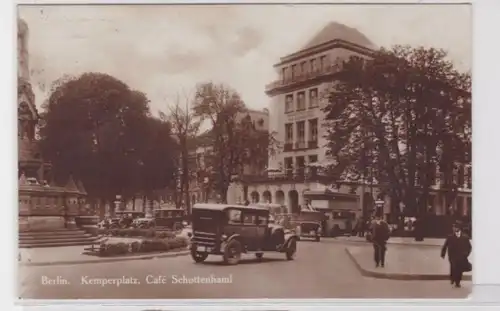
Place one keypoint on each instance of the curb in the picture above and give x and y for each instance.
(107, 260)
(335, 240)
(400, 276)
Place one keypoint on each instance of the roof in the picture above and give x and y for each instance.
(222, 207)
(338, 31)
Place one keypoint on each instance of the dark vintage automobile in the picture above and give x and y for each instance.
(306, 224)
(143, 223)
(233, 230)
(171, 218)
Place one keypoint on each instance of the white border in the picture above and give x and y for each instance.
(486, 212)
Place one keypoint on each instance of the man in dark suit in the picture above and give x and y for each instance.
(380, 235)
(459, 248)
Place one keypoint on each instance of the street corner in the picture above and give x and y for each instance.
(405, 268)
(90, 259)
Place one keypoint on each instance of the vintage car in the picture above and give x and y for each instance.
(233, 230)
(306, 224)
(110, 223)
(143, 223)
(337, 222)
(169, 217)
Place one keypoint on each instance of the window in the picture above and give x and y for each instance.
(301, 101)
(249, 219)
(322, 62)
(314, 66)
(261, 220)
(313, 158)
(303, 68)
(289, 133)
(301, 164)
(301, 128)
(289, 165)
(313, 98)
(294, 71)
(284, 73)
(313, 130)
(234, 216)
(289, 103)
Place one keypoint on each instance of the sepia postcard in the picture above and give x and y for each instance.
(244, 151)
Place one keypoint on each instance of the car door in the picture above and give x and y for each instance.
(249, 230)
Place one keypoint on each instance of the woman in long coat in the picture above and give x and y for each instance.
(459, 248)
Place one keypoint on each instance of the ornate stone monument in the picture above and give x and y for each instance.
(43, 206)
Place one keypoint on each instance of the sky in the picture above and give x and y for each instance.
(165, 50)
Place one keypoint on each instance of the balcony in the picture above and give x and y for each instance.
(300, 145)
(303, 77)
(312, 144)
(300, 175)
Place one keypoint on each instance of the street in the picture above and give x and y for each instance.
(320, 270)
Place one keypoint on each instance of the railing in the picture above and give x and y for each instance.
(300, 145)
(312, 144)
(303, 77)
(298, 175)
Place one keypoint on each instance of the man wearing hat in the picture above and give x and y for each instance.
(380, 235)
(458, 247)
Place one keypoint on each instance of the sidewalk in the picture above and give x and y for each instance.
(403, 263)
(395, 241)
(68, 255)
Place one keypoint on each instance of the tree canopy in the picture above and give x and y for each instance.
(237, 142)
(100, 131)
(395, 118)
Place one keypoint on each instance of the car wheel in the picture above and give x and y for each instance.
(318, 238)
(259, 255)
(198, 257)
(291, 249)
(232, 252)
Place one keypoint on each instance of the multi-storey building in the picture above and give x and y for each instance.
(200, 157)
(296, 116)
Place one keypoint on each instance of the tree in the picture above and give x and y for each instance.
(185, 127)
(399, 115)
(100, 131)
(236, 142)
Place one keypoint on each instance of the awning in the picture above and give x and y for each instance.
(329, 195)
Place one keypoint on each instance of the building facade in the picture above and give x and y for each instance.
(200, 158)
(296, 115)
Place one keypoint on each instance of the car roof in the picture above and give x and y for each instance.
(266, 204)
(223, 207)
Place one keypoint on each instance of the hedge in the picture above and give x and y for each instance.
(133, 232)
(144, 246)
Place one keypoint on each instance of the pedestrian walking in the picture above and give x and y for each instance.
(458, 247)
(380, 236)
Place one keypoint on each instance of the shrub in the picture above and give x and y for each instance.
(135, 232)
(135, 247)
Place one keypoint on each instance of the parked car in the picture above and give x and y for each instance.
(143, 223)
(233, 230)
(306, 224)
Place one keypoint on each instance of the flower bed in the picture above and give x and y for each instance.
(133, 232)
(147, 245)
